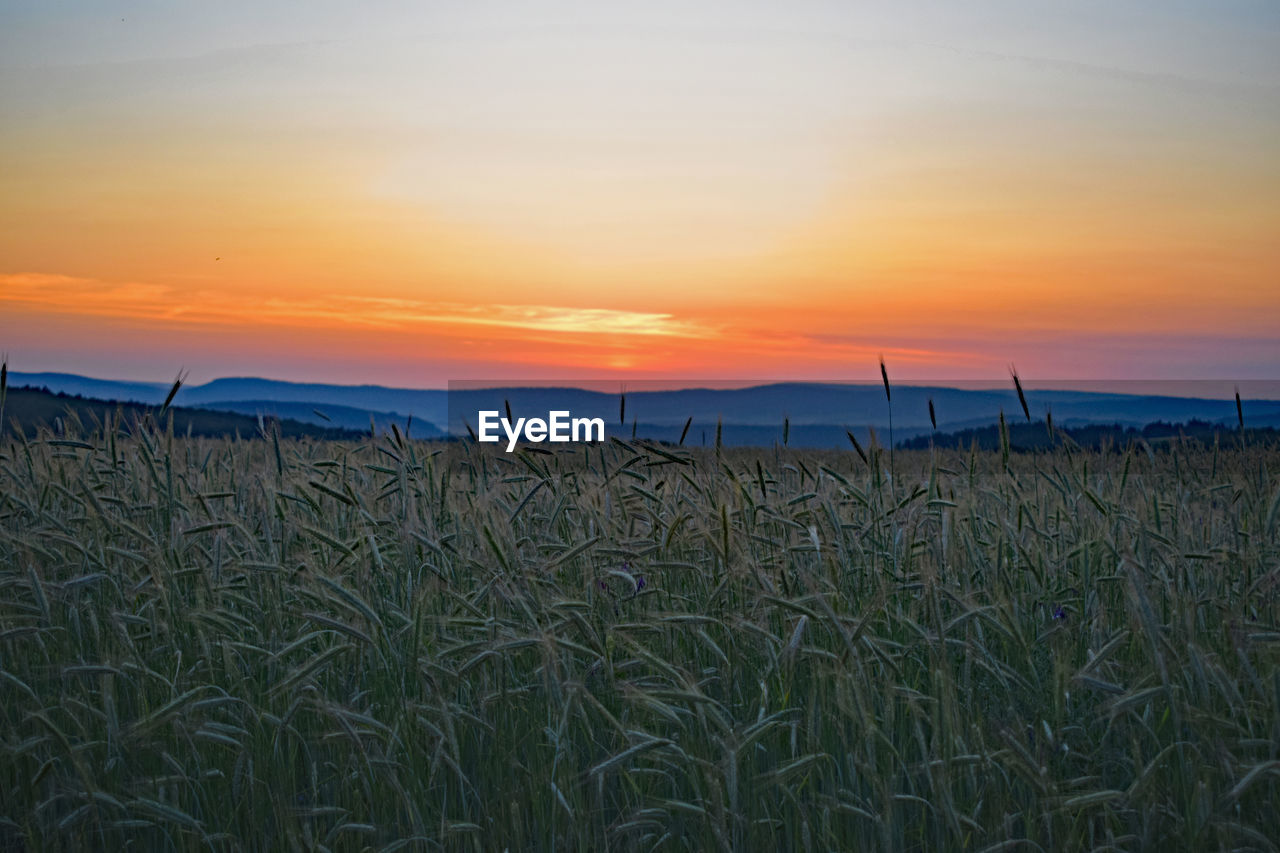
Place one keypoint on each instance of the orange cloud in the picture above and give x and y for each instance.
(53, 293)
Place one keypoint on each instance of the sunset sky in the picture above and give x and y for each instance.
(408, 193)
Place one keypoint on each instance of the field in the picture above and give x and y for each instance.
(383, 644)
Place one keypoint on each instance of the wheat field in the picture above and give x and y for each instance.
(396, 645)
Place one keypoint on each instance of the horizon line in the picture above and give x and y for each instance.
(1216, 388)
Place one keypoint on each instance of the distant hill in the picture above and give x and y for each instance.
(346, 417)
(347, 406)
(102, 389)
(861, 405)
(30, 409)
(1036, 436)
(423, 404)
(819, 413)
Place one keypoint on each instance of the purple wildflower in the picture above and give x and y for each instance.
(639, 582)
(604, 585)
(1059, 613)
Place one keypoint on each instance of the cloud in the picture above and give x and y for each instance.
(61, 294)
(549, 318)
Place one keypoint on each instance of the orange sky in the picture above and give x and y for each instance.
(653, 194)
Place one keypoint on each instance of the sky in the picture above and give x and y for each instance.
(412, 193)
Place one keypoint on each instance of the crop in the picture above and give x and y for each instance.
(388, 644)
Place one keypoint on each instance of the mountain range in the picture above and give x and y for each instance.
(817, 413)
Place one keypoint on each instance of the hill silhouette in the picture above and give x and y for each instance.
(818, 413)
(28, 409)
